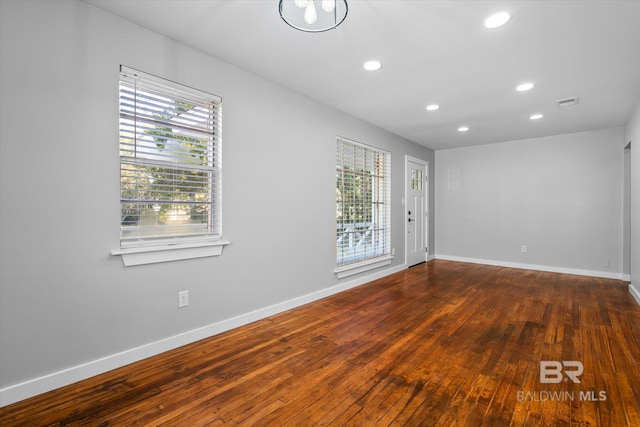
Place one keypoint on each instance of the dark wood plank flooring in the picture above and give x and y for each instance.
(443, 343)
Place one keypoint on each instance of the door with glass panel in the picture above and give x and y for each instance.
(416, 211)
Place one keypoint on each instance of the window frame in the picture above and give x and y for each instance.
(378, 175)
(205, 170)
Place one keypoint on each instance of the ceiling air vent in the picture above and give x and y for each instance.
(567, 102)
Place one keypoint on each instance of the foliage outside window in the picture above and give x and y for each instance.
(169, 161)
(363, 194)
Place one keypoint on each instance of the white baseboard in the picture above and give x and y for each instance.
(635, 293)
(550, 269)
(34, 387)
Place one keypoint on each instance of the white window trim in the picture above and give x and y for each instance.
(178, 248)
(362, 266)
(169, 252)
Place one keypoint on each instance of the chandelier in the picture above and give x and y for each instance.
(304, 16)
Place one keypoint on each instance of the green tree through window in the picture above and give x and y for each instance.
(362, 202)
(169, 156)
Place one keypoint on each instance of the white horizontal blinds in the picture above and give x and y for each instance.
(169, 159)
(363, 202)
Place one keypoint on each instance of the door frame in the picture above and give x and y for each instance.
(425, 163)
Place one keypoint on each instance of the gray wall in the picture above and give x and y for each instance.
(64, 301)
(561, 196)
(632, 134)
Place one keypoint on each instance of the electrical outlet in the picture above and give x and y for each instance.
(523, 248)
(183, 299)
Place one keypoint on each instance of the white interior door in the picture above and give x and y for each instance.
(416, 211)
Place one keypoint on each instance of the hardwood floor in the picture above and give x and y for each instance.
(443, 343)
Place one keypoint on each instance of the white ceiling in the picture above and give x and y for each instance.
(432, 52)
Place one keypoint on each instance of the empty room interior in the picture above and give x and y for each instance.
(319, 212)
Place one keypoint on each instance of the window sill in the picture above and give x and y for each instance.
(362, 266)
(172, 252)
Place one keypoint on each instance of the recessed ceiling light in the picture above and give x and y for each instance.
(372, 65)
(497, 20)
(536, 117)
(525, 87)
(463, 129)
(433, 107)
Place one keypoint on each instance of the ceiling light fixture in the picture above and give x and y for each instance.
(303, 15)
(567, 102)
(525, 87)
(433, 107)
(497, 20)
(463, 129)
(372, 65)
(536, 117)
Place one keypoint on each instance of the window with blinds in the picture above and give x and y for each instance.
(363, 202)
(169, 161)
